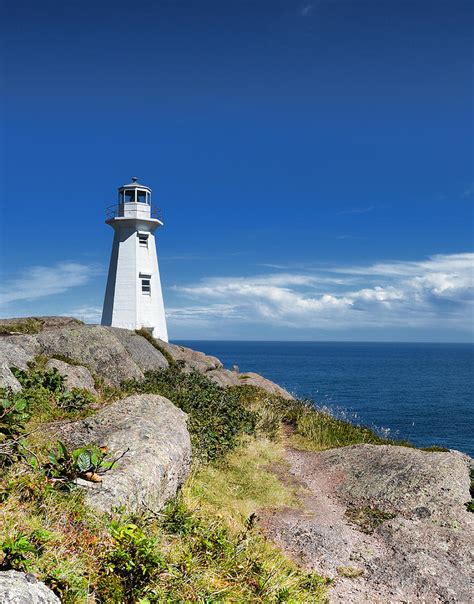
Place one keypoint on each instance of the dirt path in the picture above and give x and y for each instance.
(388, 524)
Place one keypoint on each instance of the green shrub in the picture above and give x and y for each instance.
(75, 400)
(49, 379)
(312, 427)
(14, 414)
(133, 561)
(46, 394)
(216, 416)
(16, 549)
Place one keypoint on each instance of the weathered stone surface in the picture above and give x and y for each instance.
(7, 379)
(113, 354)
(18, 350)
(421, 554)
(93, 346)
(193, 359)
(159, 450)
(145, 355)
(224, 377)
(23, 588)
(75, 376)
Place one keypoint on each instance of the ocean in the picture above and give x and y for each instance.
(419, 392)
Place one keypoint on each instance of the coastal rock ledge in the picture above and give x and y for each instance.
(389, 524)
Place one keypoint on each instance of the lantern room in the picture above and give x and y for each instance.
(134, 193)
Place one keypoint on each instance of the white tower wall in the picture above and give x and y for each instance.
(133, 297)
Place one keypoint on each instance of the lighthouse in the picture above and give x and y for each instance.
(133, 297)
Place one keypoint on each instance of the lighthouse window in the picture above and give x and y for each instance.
(130, 196)
(146, 286)
(141, 196)
(143, 240)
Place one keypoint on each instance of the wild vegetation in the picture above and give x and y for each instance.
(29, 326)
(204, 546)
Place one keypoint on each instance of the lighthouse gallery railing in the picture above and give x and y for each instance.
(116, 210)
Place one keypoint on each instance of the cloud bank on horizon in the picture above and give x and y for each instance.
(435, 293)
(380, 300)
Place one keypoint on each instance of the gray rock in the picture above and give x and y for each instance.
(18, 350)
(113, 354)
(145, 355)
(7, 379)
(224, 377)
(24, 588)
(193, 359)
(75, 376)
(158, 459)
(420, 551)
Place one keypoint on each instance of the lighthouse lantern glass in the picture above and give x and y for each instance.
(142, 196)
(129, 195)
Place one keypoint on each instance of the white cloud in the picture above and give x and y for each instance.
(408, 293)
(88, 314)
(41, 281)
(306, 10)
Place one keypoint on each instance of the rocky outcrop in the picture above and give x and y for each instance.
(388, 523)
(19, 350)
(75, 376)
(113, 354)
(192, 359)
(224, 377)
(23, 588)
(152, 433)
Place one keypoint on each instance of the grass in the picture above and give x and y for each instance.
(30, 325)
(311, 428)
(204, 547)
(241, 484)
(193, 551)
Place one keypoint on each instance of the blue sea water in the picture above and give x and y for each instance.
(420, 392)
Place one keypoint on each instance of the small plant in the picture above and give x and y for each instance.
(14, 414)
(17, 547)
(64, 467)
(368, 518)
(349, 571)
(134, 559)
(75, 400)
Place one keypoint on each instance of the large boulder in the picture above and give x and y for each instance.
(18, 350)
(152, 434)
(192, 359)
(224, 377)
(24, 588)
(75, 376)
(7, 379)
(113, 354)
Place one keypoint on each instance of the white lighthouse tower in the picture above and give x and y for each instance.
(133, 297)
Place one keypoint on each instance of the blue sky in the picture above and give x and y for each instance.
(313, 161)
